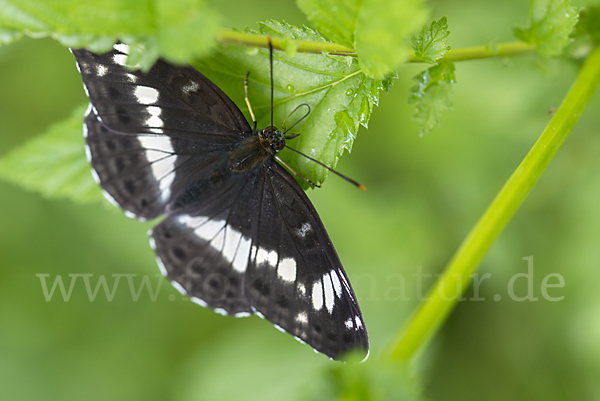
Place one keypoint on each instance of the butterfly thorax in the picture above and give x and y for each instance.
(256, 150)
(272, 139)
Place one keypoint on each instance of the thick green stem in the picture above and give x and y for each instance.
(444, 295)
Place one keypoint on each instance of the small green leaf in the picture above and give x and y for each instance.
(432, 94)
(430, 44)
(549, 27)
(178, 30)
(340, 95)
(589, 23)
(383, 32)
(54, 163)
(335, 19)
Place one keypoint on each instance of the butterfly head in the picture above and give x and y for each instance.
(272, 139)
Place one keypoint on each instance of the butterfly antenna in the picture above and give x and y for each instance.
(296, 123)
(350, 180)
(271, 66)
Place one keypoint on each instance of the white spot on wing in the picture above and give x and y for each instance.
(301, 341)
(305, 229)
(179, 287)
(278, 327)
(337, 286)
(317, 295)
(358, 322)
(88, 152)
(129, 214)
(161, 266)
(287, 270)
(192, 222)
(146, 94)
(266, 257)
(122, 47)
(198, 301)
(221, 311)
(242, 314)
(218, 241)
(155, 142)
(88, 110)
(302, 317)
(240, 263)
(162, 167)
(231, 241)
(154, 119)
(191, 87)
(131, 78)
(101, 70)
(209, 229)
(96, 176)
(329, 296)
(349, 323)
(120, 59)
(301, 289)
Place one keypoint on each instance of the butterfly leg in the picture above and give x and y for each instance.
(248, 102)
(295, 173)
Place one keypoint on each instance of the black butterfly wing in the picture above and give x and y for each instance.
(240, 243)
(294, 276)
(150, 135)
(206, 254)
(261, 248)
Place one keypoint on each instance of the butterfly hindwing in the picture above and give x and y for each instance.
(207, 253)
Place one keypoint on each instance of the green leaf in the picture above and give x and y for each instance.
(383, 32)
(54, 163)
(340, 95)
(178, 30)
(432, 94)
(335, 19)
(549, 27)
(430, 44)
(589, 23)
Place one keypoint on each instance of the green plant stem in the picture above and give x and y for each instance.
(305, 46)
(445, 293)
(478, 52)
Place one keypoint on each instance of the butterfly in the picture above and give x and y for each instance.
(240, 236)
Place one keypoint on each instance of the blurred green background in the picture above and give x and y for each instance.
(424, 194)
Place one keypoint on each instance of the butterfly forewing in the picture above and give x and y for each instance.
(240, 235)
(176, 101)
(295, 278)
